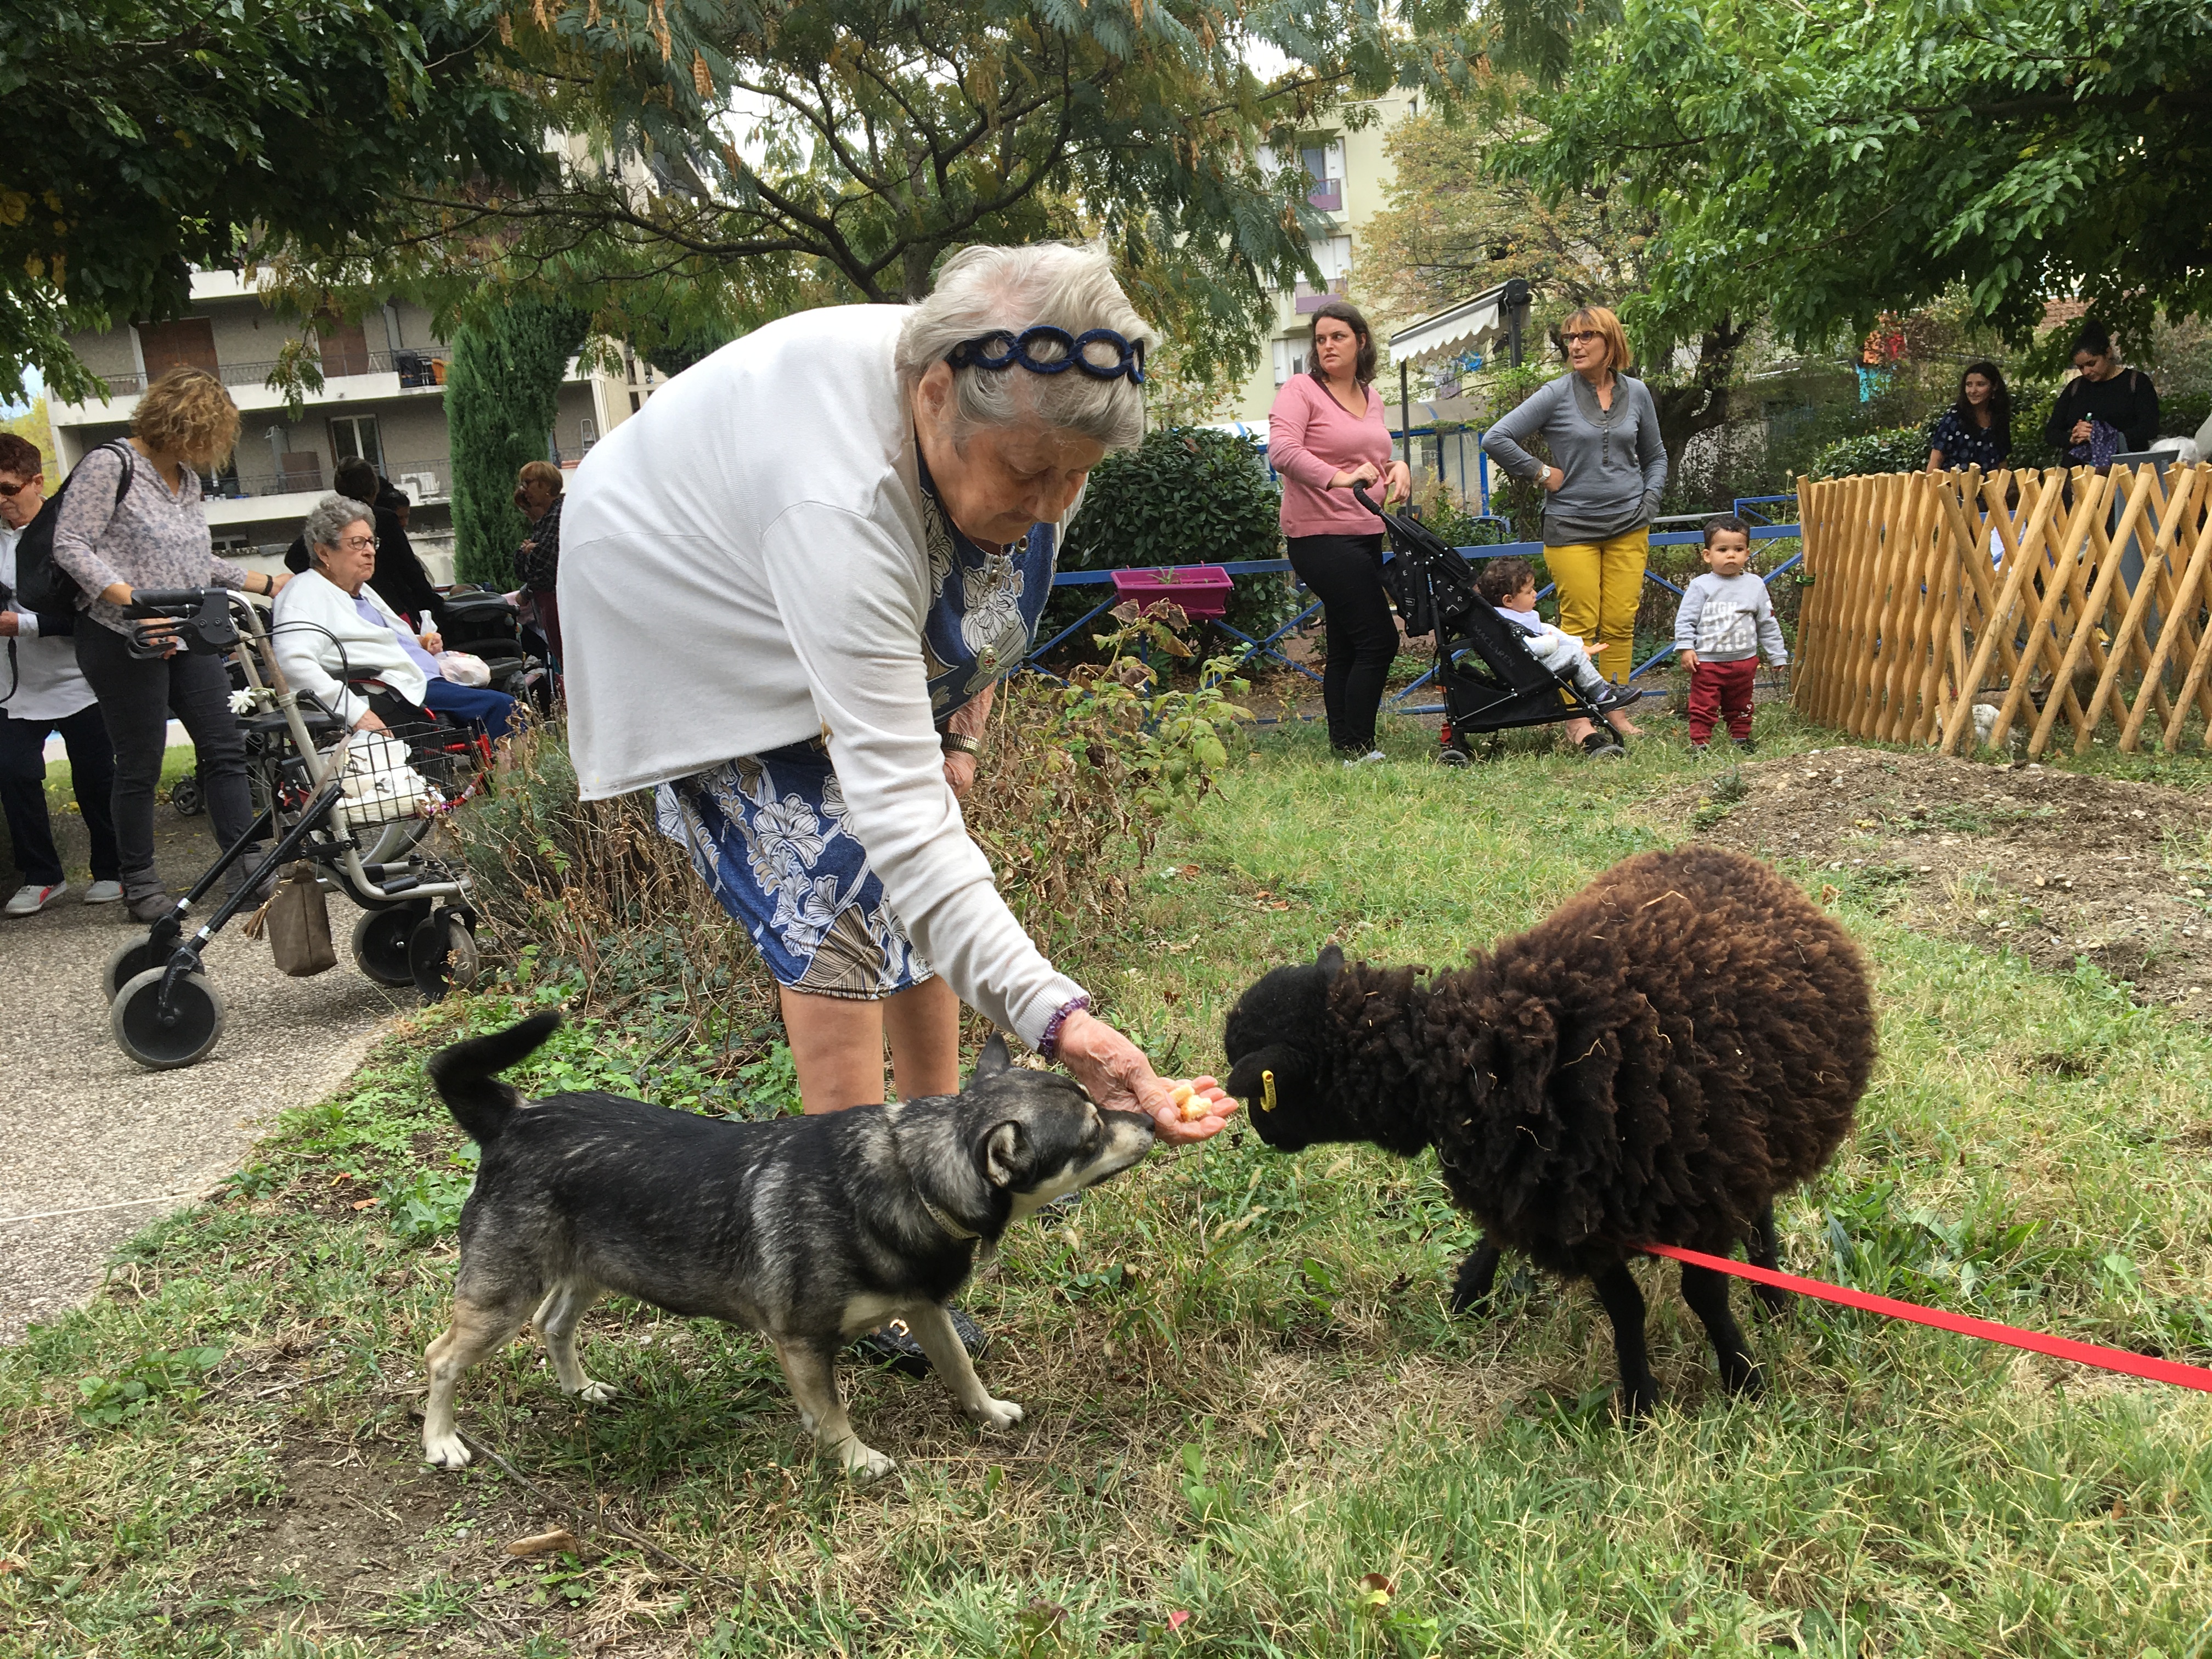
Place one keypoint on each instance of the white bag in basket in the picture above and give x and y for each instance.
(463, 669)
(380, 785)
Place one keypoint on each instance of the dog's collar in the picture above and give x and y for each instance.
(943, 1219)
(961, 1234)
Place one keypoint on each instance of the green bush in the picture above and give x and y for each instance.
(1185, 495)
(1893, 449)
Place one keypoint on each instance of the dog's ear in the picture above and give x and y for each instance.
(1006, 1154)
(1331, 963)
(993, 1060)
(1245, 1080)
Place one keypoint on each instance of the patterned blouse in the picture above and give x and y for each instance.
(152, 538)
(1963, 444)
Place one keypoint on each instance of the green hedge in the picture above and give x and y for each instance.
(1185, 495)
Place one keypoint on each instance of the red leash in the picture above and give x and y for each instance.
(2064, 1347)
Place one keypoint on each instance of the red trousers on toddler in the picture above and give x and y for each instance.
(1721, 690)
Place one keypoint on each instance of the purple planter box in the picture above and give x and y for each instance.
(1202, 590)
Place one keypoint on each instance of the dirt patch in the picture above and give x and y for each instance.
(2055, 865)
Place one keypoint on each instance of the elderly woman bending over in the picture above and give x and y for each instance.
(824, 544)
(335, 637)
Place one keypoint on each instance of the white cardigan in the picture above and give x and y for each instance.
(314, 619)
(742, 566)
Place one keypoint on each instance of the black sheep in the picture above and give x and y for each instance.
(1672, 1047)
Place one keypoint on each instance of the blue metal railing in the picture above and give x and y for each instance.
(1266, 647)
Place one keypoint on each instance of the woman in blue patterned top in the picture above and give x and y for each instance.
(1977, 429)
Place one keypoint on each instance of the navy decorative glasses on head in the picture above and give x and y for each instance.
(1044, 350)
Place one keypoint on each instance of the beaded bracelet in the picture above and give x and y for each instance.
(1049, 1044)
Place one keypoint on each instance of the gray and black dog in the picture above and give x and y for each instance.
(809, 1229)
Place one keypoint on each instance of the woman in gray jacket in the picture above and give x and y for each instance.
(1609, 466)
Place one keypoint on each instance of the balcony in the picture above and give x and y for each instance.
(1328, 195)
(255, 491)
(1305, 301)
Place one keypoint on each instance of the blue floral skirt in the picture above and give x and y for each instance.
(768, 834)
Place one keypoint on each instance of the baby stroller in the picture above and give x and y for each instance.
(486, 625)
(355, 806)
(1492, 681)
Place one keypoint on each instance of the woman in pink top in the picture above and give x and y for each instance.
(1326, 433)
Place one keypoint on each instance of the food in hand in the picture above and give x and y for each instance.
(1191, 1104)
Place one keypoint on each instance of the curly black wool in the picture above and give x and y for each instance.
(1654, 1063)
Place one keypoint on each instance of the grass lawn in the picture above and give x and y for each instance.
(1247, 1407)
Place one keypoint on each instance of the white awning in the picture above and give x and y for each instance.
(1449, 331)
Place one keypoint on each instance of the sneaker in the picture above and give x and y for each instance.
(1615, 696)
(1745, 745)
(1701, 748)
(1367, 759)
(1599, 746)
(893, 1346)
(29, 901)
(104, 892)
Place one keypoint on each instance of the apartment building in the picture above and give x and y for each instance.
(1348, 176)
(383, 397)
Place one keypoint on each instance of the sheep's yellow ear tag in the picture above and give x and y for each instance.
(1266, 1092)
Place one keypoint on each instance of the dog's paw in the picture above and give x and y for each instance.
(596, 1393)
(995, 1414)
(446, 1451)
(864, 1463)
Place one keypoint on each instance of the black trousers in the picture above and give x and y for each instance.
(137, 697)
(23, 793)
(1345, 574)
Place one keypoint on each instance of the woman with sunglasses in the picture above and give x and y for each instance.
(1608, 467)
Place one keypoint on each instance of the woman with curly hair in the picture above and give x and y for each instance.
(132, 519)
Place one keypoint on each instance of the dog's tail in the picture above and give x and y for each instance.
(467, 1075)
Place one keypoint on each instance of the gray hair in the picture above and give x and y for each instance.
(328, 518)
(983, 290)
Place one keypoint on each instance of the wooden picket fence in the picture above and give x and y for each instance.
(1932, 591)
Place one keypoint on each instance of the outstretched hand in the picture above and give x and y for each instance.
(1121, 1080)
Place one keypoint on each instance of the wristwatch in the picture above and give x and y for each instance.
(955, 743)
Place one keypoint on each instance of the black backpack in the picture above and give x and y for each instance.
(40, 584)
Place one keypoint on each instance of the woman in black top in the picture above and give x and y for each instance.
(1977, 429)
(2122, 399)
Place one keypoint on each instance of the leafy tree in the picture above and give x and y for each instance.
(500, 394)
(747, 159)
(31, 426)
(1462, 218)
(140, 137)
(1833, 159)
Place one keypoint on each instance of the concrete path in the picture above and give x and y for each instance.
(84, 1129)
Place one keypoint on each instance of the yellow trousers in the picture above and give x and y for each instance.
(1600, 585)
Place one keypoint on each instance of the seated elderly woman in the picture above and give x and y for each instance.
(330, 627)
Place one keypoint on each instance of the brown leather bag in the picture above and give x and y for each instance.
(298, 923)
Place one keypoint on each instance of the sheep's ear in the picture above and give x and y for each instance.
(993, 1060)
(1245, 1080)
(1331, 963)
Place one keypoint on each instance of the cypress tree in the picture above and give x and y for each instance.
(500, 393)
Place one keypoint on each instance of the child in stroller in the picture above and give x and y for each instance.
(1487, 665)
(1509, 586)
